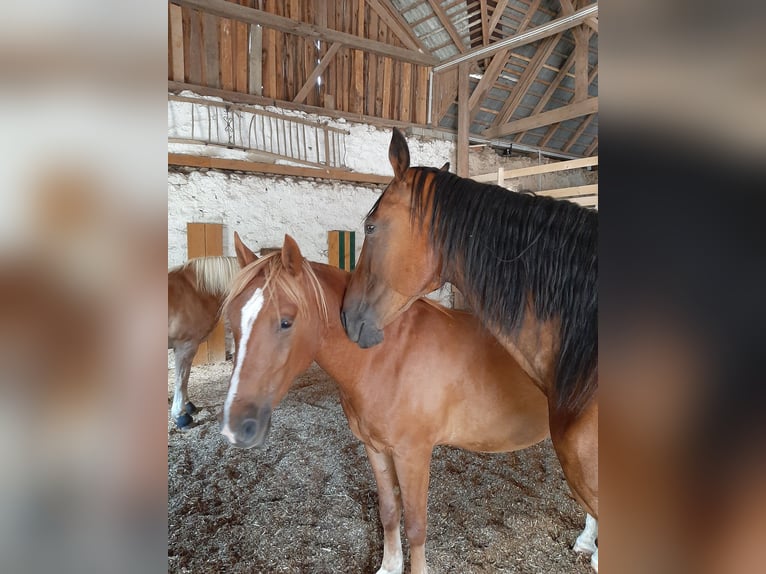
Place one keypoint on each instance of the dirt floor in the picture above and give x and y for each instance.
(307, 503)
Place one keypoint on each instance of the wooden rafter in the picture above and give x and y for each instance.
(484, 22)
(532, 35)
(573, 140)
(253, 16)
(311, 81)
(448, 25)
(526, 79)
(592, 147)
(592, 23)
(588, 106)
(582, 37)
(497, 64)
(500, 8)
(463, 126)
(563, 71)
(491, 74)
(397, 24)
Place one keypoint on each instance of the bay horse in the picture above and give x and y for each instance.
(401, 398)
(196, 291)
(526, 264)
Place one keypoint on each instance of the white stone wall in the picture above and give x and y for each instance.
(263, 208)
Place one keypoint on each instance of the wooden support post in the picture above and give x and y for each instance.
(463, 115)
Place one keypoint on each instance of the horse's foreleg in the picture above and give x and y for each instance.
(413, 470)
(184, 355)
(389, 506)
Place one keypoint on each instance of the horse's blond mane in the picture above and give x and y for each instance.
(212, 274)
(277, 277)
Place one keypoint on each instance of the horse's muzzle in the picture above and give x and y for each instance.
(360, 326)
(251, 429)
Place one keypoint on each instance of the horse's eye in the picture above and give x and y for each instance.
(369, 228)
(285, 324)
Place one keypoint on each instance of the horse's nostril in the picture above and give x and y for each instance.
(248, 430)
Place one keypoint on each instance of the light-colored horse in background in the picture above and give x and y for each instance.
(196, 291)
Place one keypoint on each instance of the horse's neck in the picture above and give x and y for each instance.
(532, 345)
(337, 355)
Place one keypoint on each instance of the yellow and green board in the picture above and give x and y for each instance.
(341, 249)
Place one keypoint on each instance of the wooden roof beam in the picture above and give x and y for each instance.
(568, 112)
(537, 33)
(592, 147)
(499, 9)
(396, 22)
(526, 79)
(447, 23)
(497, 64)
(252, 16)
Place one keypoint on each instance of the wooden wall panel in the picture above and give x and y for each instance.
(220, 53)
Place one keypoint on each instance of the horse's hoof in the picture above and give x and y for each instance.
(184, 421)
(190, 408)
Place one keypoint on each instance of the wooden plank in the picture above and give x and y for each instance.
(445, 21)
(213, 239)
(333, 248)
(462, 121)
(241, 58)
(231, 96)
(444, 94)
(279, 56)
(227, 51)
(186, 19)
(528, 76)
(253, 16)
(212, 72)
(581, 37)
(399, 26)
(498, 12)
(195, 48)
(195, 240)
(312, 79)
(357, 99)
(406, 93)
(276, 169)
(255, 79)
(491, 75)
(372, 67)
(387, 75)
(484, 22)
(269, 57)
(573, 191)
(538, 169)
(421, 95)
(177, 39)
(588, 106)
(532, 35)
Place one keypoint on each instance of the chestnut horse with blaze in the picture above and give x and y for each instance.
(401, 398)
(526, 265)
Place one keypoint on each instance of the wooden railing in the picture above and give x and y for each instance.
(583, 194)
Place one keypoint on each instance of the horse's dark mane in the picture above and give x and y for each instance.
(513, 247)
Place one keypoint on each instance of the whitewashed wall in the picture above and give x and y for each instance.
(263, 208)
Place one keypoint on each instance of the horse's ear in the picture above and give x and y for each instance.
(244, 255)
(399, 154)
(292, 259)
(445, 167)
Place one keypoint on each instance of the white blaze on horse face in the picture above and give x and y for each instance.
(249, 314)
